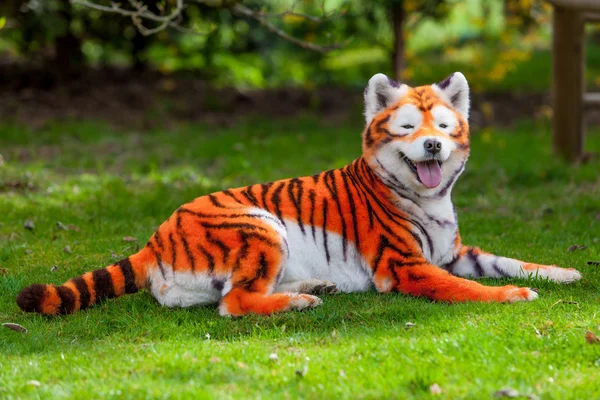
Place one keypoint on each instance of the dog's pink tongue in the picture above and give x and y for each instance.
(430, 173)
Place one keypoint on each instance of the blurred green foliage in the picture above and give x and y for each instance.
(498, 44)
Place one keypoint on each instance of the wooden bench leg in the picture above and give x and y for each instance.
(568, 83)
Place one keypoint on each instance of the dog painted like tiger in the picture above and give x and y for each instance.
(386, 221)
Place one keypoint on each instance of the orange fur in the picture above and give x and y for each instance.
(223, 234)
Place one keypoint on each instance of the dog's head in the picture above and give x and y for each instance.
(417, 139)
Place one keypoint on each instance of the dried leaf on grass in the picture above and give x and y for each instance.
(574, 247)
(591, 338)
(29, 225)
(15, 327)
(129, 239)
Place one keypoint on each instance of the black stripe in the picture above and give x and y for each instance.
(262, 273)
(84, 292)
(332, 187)
(499, 270)
(265, 190)
(216, 215)
(232, 225)
(67, 300)
(477, 267)
(210, 239)
(186, 246)
(228, 193)
(276, 200)
(450, 266)
(325, 230)
(352, 208)
(297, 200)
(215, 202)
(247, 193)
(209, 258)
(173, 252)
(129, 275)
(391, 214)
(264, 239)
(158, 239)
(158, 260)
(414, 277)
(103, 284)
(311, 220)
(384, 244)
(243, 253)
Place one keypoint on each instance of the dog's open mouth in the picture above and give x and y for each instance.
(429, 172)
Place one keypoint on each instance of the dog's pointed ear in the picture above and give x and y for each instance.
(455, 90)
(380, 93)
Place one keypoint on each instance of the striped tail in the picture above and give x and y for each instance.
(125, 277)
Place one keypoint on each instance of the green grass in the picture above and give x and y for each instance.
(515, 199)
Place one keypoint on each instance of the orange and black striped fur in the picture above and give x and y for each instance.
(385, 221)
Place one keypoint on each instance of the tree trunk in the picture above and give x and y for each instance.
(398, 26)
(69, 57)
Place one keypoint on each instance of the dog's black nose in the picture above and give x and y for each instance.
(432, 146)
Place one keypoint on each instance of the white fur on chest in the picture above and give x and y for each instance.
(308, 259)
(438, 219)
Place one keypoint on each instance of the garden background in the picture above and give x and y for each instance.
(104, 131)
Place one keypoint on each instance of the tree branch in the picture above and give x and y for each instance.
(140, 12)
(241, 10)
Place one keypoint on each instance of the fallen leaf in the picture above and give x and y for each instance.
(29, 225)
(33, 382)
(507, 392)
(591, 338)
(215, 360)
(15, 327)
(61, 226)
(409, 325)
(67, 250)
(574, 247)
(54, 268)
(3, 271)
(273, 357)
(72, 227)
(435, 389)
(241, 365)
(129, 239)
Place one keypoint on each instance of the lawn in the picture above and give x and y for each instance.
(103, 184)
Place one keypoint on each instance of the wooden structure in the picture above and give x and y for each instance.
(569, 98)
